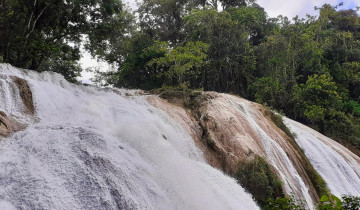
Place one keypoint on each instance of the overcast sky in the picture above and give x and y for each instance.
(289, 8)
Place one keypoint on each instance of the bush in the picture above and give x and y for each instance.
(350, 202)
(258, 178)
(171, 92)
(352, 107)
(190, 99)
(339, 127)
(278, 121)
(286, 203)
(330, 203)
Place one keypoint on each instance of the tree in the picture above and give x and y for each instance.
(233, 3)
(69, 69)
(162, 20)
(37, 31)
(254, 21)
(134, 71)
(181, 61)
(317, 96)
(268, 91)
(230, 54)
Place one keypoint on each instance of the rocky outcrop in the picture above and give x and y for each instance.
(17, 106)
(231, 129)
(8, 125)
(25, 94)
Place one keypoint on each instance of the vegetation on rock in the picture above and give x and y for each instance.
(259, 179)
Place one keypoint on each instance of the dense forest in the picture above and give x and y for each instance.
(306, 68)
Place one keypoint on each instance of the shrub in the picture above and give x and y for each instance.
(258, 178)
(278, 121)
(340, 127)
(330, 203)
(352, 107)
(350, 202)
(286, 203)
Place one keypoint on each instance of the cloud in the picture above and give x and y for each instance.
(291, 8)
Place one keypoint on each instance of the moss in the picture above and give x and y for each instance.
(258, 177)
(169, 92)
(190, 99)
(278, 121)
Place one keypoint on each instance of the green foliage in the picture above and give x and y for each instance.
(40, 31)
(320, 103)
(286, 203)
(180, 60)
(258, 178)
(334, 203)
(351, 80)
(317, 97)
(163, 19)
(230, 55)
(350, 202)
(190, 99)
(69, 69)
(319, 93)
(309, 69)
(267, 91)
(339, 126)
(278, 120)
(254, 20)
(352, 107)
(330, 203)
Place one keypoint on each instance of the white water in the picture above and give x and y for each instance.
(335, 164)
(94, 149)
(293, 183)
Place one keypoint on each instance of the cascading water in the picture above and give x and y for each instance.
(293, 183)
(337, 165)
(90, 148)
(87, 148)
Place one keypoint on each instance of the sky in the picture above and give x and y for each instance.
(289, 8)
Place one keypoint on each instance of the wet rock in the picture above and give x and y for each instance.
(8, 125)
(25, 94)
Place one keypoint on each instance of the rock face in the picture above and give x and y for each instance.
(8, 125)
(236, 129)
(25, 94)
(13, 111)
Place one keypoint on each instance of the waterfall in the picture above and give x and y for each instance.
(339, 167)
(91, 148)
